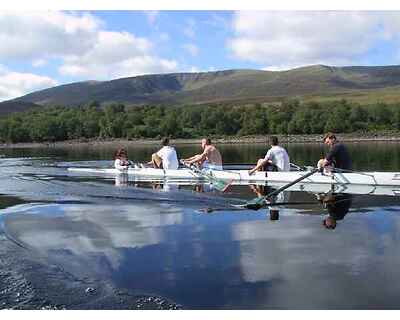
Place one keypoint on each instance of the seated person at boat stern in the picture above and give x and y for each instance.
(337, 157)
(210, 158)
(121, 160)
(166, 157)
(276, 158)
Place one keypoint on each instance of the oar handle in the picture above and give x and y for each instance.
(182, 162)
(133, 164)
(190, 166)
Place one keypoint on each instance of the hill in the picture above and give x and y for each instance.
(364, 84)
(16, 106)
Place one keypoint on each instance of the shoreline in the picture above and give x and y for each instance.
(313, 138)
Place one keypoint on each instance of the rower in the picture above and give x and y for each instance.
(121, 160)
(276, 158)
(337, 157)
(262, 190)
(210, 158)
(166, 157)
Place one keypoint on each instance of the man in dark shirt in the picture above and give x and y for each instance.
(338, 155)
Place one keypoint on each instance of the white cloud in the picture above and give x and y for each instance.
(15, 84)
(280, 67)
(191, 48)
(39, 63)
(295, 38)
(111, 47)
(125, 68)
(117, 54)
(80, 43)
(194, 69)
(38, 35)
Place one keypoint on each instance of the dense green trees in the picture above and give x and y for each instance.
(118, 121)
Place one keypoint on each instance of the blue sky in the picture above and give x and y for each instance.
(43, 49)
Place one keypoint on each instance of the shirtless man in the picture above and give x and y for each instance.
(210, 158)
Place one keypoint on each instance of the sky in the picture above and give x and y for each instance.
(42, 49)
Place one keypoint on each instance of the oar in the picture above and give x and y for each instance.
(297, 167)
(131, 164)
(244, 207)
(219, 184)
(258, 203)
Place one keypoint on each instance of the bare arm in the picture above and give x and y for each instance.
(157, 155)
(197, 158)
(151, 162)
(259, 165)
(190, 158)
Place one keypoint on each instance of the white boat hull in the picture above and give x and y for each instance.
(243, 177)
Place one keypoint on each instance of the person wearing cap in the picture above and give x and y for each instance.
(338, 155)
(276, 159)
(166, 157)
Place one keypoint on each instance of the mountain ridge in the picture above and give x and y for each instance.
(224, 86)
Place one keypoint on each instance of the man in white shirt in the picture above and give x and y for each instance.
(166, 157)
(276, 157)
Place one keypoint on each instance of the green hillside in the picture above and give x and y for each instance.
(361, 84)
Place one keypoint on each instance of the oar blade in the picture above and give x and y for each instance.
(270, 195)
(255, 204)
(221, 185)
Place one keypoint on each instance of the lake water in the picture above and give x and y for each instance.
(81, 242)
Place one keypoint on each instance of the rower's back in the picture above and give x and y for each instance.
(339, 156)
(279, 157)
(213, 156)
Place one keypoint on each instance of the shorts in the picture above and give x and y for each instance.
(207, 165)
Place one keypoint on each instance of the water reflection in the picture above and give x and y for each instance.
(262, 191)
(8, 201)
(155, 241)
(121, 179)
(337, 205)
(227, 260)
(83, 230)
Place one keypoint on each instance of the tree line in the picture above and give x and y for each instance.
(57, 123)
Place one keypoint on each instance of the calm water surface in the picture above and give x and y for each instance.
(157, 242)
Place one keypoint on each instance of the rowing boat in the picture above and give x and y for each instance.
(242, 176)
